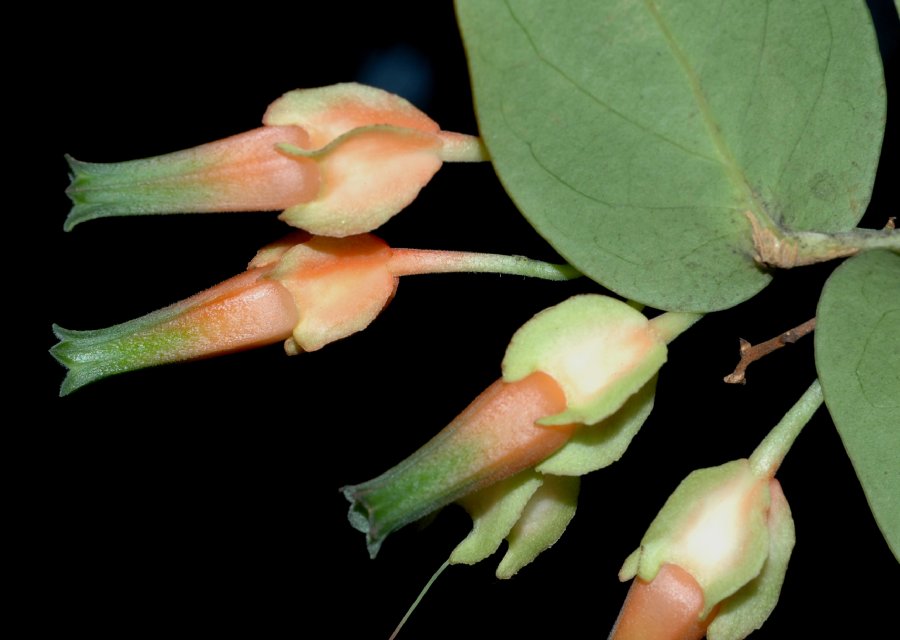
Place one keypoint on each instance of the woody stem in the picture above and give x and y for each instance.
(778, 247)
(752, 353)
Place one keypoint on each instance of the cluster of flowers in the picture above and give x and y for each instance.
(577, 383)
(338, 162)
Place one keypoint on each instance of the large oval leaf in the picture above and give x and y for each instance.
(633, 135)
(858, 359)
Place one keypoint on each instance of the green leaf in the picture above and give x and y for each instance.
(634, 135)
(858, 359)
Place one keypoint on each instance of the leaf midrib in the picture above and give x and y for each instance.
(733, 170)
(601, 103)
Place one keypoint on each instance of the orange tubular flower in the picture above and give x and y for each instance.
(338, 161)
(715, 556)
(493, 438)
(575, 363)
(306, 291)
(712, 562)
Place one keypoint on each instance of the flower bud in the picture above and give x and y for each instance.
(494, 438)
(304, 290)
(245, 172)
(243, 312)
(578, 361)
(719, 548)
(338, 161)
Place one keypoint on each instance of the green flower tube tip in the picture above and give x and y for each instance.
(305, 291)
(573, 364)
(337, 161)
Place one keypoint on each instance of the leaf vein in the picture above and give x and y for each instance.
(815, 104)
(759, 63)
(562, 74)
(733, 170)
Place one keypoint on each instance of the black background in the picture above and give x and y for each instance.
(203, 497)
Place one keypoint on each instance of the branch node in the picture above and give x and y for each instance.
(752, 353)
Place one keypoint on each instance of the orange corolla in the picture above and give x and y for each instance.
(575, 363)
(338, 161)
(668, 607)
(305, 291)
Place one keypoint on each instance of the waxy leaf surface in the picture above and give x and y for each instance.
(858, 360)
(634, 135)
